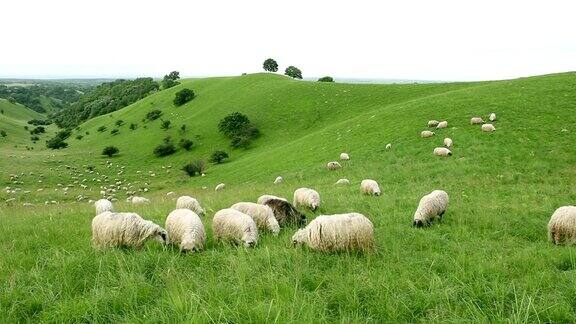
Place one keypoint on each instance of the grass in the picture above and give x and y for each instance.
(489, 260)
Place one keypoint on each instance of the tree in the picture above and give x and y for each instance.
(270, 65)
(218, 157)
(170, 80)
(326, 79)
(239, 129)
(119, 122)
(293, 72)
(194, 168)
(57, 142)
(3, 133)
(165, 124)
(110, 151)
(101, 129)
(133, 126)
(114, 131)
(183, 96)
(153, 114)
(186, 144)
(165, 148)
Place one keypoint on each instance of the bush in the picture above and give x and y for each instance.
(114, 131)
(183, 96)
(293, 72)
(26, 127)
(57, 142)
(34, 138)
(239, 129)
(218, 157)
(101, 129)
(119, 123)
(133, 126)
(79, 137)
(38, 122)
(194, 168)
(183, 129)
(38, 130)
(326, 79)
(186, 144)
(165, 148)
(153, 115)
(165, 124)
(110, 151)
(170, 80)
(3, 133)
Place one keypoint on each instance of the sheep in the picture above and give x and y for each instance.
(265, 198)
(343, 182)
(448, 142)
(492, 117)
(433, 123)
(140, 200)
(431, 206)
(124, 229)
(442, 151)
(388, 146)
(442, 124)
(187, 202)
(340, 232)
(307, 197)
(232, 225)
(344, 156)
(562, 225)
(103, 205)
(488, 128)
(333, 166)
(261, 214)
(476, 120)
(278, 180)
(220, 187)
(186, 230)
(370, 187)
(285, 213)
(426, 134)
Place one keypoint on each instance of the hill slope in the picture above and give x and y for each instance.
(12, 120)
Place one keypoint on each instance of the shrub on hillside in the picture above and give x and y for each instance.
(101, 129)
(165, 124)
(218, 157)
(326, 79)
(38, 122)
(194, 168)
(183, 96)
(169, 80)
(79, 137)
(34, 138)
(153, 115)
(293, 72)
(3, 133)
(119, 122)
(57, 142)
(133, 126)
(270, 65)
(26, 127)
(186, 144)
(239, 129)
(114, 131)
(110, 151)
(183, 129)
(165, 148)
(38, 130)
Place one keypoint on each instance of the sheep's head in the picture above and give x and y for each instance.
(250, 237)
(299, 237)
(161, 235)
(418, 223)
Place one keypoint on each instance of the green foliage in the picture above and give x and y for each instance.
(34, 138)
(183, 96)
(58, 141)
(186, 144)
(239, 129)
(115, 131)
(165, 124)
(43, 96)
(270, 65)
(38, 130)
(3, 133)
(166, 148)
(119, 123)
(218, 157)
(293, 72)
(153, 115)
(194, 168)
(110, 151)
(79, 137)
(38, 122)
(26, 127)
(101, 129)
(133, 126)
(169, 80)
(183, 129)
(326, 79)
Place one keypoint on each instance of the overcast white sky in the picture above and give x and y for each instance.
(427, 40)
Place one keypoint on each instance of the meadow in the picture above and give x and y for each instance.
(489, 260)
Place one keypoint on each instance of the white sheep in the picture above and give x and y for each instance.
(426, 134)
(476, 120)
(103, 205)
(431, 206)
(187, 202)
(265, 198)
(433, 123)
(442, 124)
(262, 215)
(124, 229)
(370, 187)
(488, 128)
(448, 142)
(333, 166)
(344, 156)
(442, 151)
(220, 187)
(343, 182)
(307, 197)
(492, 117)
(231, 225)
(140, 200)
(388, 146)
(278, 180)
(340, 232)
(562, 225)
(186, 230)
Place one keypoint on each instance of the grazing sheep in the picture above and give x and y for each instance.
(442, 151)
(562, 225)
(103, 205)
(187, 202)
(370, 187)
(341, 232)
(388, 146)
(261, 214)
(426, 134)
(448, 142)
(231, 225)
(476, 120)
(488, 128)
(431, 206)
(333, 166)
(492, 117)
(285, 213)
(265, 198)
(124, 229)
(433, 123)
(344, 156)
(343, 182)
(442, 124)
(186, 230)
(307, 197)
(140, 200)
(220, 187)
(278, 180)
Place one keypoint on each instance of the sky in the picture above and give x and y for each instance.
(403, 39)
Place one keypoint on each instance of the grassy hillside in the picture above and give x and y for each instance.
(489, 260)
(13, 120)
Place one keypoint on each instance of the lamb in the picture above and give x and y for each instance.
(388, 146)
(187, 202)
(370, 187)
(285, 213)
(442, 151)
(186, 230)
(307, 197)
(220, 187)
(562, 225)
(278, 180)
(476, 120)
(261, 214)
(344, 156)
(431, 206)
(340, 232)
(262, 200)
(448, 142)
(333, 166)
(103, 205)
(124, 229)
(343, 182)
(442, 124)
(488, 128)
(231, 225)
(433, 123)
(492, 117)
(140, 200)
(426, 134)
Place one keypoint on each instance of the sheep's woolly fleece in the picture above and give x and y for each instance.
(262, 215)
(191, 203)
(103, 205)
(476, 120)
(433, 123)
(231, 225)
(333, 166)
(307, 197)
(442, 151)
(124, 229)
(344, 156)
(262, 200)
(343, 182)
(341, 232)
(442, 124)
(562, 225)
(488, 128)
(426, 133)
(185, 229)
(370, 187)
(278, 180)
(220, 187)
(140, 200)
(285, 213)
(431, 206)
(448, 142)
(492, 117)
